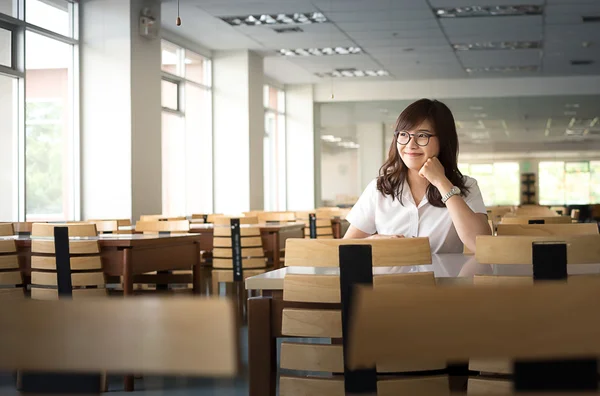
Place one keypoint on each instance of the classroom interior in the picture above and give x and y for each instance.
(182, 171)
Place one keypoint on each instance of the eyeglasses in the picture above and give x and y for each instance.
(421, 138)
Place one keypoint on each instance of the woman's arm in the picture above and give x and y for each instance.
(468, 224)
(355, 233)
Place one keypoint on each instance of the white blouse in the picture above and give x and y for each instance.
(376, 213)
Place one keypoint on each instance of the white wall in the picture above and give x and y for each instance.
(370, 136)
(300, 136)
(120, 111)
(238, 129)
(340, 174)
(8, 151)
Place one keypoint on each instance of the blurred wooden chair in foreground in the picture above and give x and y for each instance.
(74, 339)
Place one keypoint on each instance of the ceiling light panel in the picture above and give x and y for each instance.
(299, 18)
(497, 45)
(502, 69)
(321, 51)
(488, 11)
(354, 73)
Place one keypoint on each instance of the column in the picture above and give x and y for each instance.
(120, 111)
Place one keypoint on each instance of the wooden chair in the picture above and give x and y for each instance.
(174, 279)
(519, 250)
(87, 277)
(322, 220)
(205, 217)
(276, 217)
(111, 226)
(252, 255)
(547, 229)
(11, 280)
(161, 218)
(312, 310)
(24, 228)
(145, 336)
(535, 220)
(534, 210)
(560, 210)
(545, 321)
(575, 215)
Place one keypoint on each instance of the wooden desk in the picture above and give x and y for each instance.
(273, 236)
(127, 255)
(340, 226)
(265, 312)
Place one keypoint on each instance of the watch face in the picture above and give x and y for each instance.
(455, 190)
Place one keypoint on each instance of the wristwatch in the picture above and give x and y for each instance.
(453, 191)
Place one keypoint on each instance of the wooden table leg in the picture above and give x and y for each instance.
(197, 273)
(262, 348)
(276, 251)
(127, 275)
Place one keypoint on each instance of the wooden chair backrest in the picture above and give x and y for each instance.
(146, 336)
(158, 227)
(316, 313)
(536, 219)
(581, 249)
(282, 217)
(106, 226)
(575, 214)
(207, 217)
(87, 276)
(323, 223)
(161, 218)
(24, 227)
(547, 229)
(253, 255)
(535, 210)
(386, 252)
(11, 282)
(516, 322)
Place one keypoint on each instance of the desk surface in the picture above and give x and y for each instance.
(199, 227)
(450, 268)
(119, 240)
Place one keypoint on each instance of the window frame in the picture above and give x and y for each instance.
(277, 112)
(18, 26)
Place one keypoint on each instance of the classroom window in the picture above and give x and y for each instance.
(498, 181)
(187, 182)
(275, 180)
(569, 183)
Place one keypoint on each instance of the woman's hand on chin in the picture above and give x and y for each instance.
(379, 236)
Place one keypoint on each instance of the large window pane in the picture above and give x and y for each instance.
(173, 164)
(9, 7)
(52, 15)
(5, 47)
(275, 151)
(197, 68)
(198, 126)
(8, 149)
(49, 129)
(171, 56)
(577, 180)
(170, 95)
(595, 182)
(551, 181)
(506, 183)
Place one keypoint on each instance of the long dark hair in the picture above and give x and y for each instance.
(393, 173)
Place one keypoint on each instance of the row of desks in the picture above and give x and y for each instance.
(265, 312)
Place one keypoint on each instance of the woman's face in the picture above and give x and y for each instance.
(417, 150)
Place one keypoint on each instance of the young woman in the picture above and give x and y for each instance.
(420, 192)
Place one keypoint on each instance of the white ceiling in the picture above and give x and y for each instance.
(401, 36)
(484, 120)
